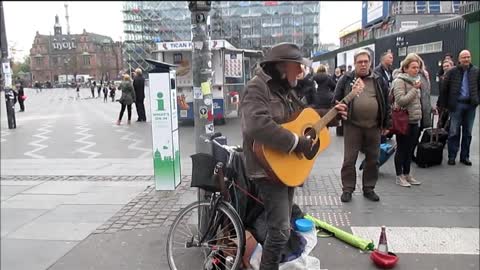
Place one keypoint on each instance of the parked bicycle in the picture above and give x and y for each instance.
(209, 234)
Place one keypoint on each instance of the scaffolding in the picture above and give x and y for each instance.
(256, 25)
(146, 23)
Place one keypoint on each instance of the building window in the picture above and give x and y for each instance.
(86, 60)
(434, 7)
(431, 47)
(456, 6)
(177, 58)
(39, 61)
(402, 51)
(420, 7)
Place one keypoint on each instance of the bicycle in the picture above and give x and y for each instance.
(213, 228)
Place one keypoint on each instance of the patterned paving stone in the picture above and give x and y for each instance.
(75, 178)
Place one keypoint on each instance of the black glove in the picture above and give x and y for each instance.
(304, 145)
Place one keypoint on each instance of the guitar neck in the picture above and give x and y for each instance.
(323, 122)
(330, 115)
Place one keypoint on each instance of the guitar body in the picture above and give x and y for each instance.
(293, 169)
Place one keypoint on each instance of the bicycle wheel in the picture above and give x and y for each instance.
(223, 245)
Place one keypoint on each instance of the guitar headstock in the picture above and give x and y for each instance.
(357, 88)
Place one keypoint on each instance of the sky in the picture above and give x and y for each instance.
(24, 19)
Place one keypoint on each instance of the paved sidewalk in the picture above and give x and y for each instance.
(432, 226)
(42, 218)
(80, 200)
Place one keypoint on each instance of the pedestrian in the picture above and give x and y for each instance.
(425, 99)
(269, 100)
(446, 66)
(99, 88)
(92, 88)
(37, 87)
(20, 95)
(368, 119)
(443, 121)
(460, 94)
(112, 91)
(305, 84)
(407, 91)
(321, 98)
(337, 75)
(105, 92)
(78, 90)
(139, 86)
(441, 71)
(384, 69)
(127, 98)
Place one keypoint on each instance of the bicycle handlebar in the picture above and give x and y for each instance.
(211, 139)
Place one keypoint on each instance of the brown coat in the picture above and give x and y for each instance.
(265, 105)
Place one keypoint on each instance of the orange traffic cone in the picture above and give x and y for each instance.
(381, 256)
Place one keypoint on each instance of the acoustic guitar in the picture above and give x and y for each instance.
(293, 169)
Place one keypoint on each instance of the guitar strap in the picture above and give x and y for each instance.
(295, 99)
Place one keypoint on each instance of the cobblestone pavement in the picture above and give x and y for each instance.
(319, 197)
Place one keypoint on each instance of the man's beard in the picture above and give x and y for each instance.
(293, 83)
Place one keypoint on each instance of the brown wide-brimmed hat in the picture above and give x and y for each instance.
(286, 52)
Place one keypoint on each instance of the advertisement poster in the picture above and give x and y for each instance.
(166, 152)
(233, 65)
(184, 69)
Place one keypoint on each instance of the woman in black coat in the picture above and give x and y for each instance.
(321, 98)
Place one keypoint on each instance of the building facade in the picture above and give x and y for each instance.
(58, 56)
(470, 11)
(382, 18)
(256, 25)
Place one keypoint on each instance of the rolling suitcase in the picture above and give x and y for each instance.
(442, 132)
(386, 151)
(442, 135)
(430, 153)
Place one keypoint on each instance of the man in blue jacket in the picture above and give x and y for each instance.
(460, 94)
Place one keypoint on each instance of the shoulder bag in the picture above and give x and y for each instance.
(399, 116)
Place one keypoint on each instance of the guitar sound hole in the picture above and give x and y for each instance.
(316, 146)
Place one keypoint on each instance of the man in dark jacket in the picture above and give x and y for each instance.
(139, 86)
(368, 116)
(460, 94)
(20, 95)
(269, 100)
(384, 69)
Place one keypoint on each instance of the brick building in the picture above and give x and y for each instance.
(87, 54)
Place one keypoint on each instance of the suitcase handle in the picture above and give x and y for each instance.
(434, 130)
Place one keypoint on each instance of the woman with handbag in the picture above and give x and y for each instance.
(407, 101)
(127, 98)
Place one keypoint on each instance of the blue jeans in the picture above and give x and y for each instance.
(278, 201)
(463, 116)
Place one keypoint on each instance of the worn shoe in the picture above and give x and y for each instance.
(412, 180)
(402, 181)
(451, 162)
(129, 122)
(371, 195)
(466, 162)
(346, 196)
(118, 122)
